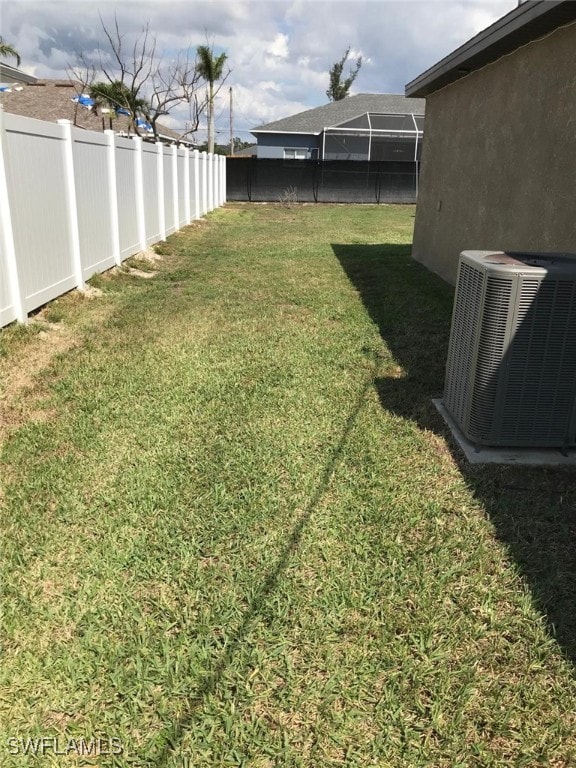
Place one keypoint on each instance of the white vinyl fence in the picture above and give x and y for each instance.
(75, 202)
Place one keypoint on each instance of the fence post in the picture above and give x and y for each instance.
(221, 161)
(139, 184)
(7, 248)
(160, 185)
(187, 215)
(71, 205)
(196, 155)
(204, 182)
(223, 188)
(113, 196)
(175, 207)
(210, 181)
(222, 172)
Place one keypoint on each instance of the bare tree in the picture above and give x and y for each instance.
(177, 84)
(84, 76)
(138, 82)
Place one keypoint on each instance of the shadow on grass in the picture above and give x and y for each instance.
(257, 605)
(533, 509)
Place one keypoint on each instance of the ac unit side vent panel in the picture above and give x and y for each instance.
(491, 348)
(541, 376)
(465, 320)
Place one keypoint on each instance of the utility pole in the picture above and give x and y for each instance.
(231, 125)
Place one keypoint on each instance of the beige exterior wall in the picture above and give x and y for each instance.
(499, 158)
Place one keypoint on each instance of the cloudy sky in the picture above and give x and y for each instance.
(279, 51)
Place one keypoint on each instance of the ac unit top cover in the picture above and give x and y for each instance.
(516, 262)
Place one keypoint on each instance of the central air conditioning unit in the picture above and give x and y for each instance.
(511, 368)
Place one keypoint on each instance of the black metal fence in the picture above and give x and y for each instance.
(317, 181)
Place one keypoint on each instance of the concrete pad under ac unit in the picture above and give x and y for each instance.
(543, 457)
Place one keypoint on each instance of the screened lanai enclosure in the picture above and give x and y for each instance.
(368, 156)
(384, 138)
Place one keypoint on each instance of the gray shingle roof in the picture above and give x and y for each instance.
(315, 120)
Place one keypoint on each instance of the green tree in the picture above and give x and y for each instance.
(211, 68)
(118, 95)
(338, 88)
(240, 144)
(8, 51)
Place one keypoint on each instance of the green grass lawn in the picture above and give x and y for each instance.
(236, 533)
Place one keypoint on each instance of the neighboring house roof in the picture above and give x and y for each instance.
(52, 100)
(247, 151)
(313, 121)
(9, 74)
(529, 21)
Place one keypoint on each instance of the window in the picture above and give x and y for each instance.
(293, 153)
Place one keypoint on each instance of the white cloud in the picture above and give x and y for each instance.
(279, 52)
(269, 85)
(279, 46)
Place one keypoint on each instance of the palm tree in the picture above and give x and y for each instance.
(119, 96)
(210, 68)
(7, 50)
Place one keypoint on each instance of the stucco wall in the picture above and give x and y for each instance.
(499, 158)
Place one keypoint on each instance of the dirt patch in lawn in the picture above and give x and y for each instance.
(19, 375)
